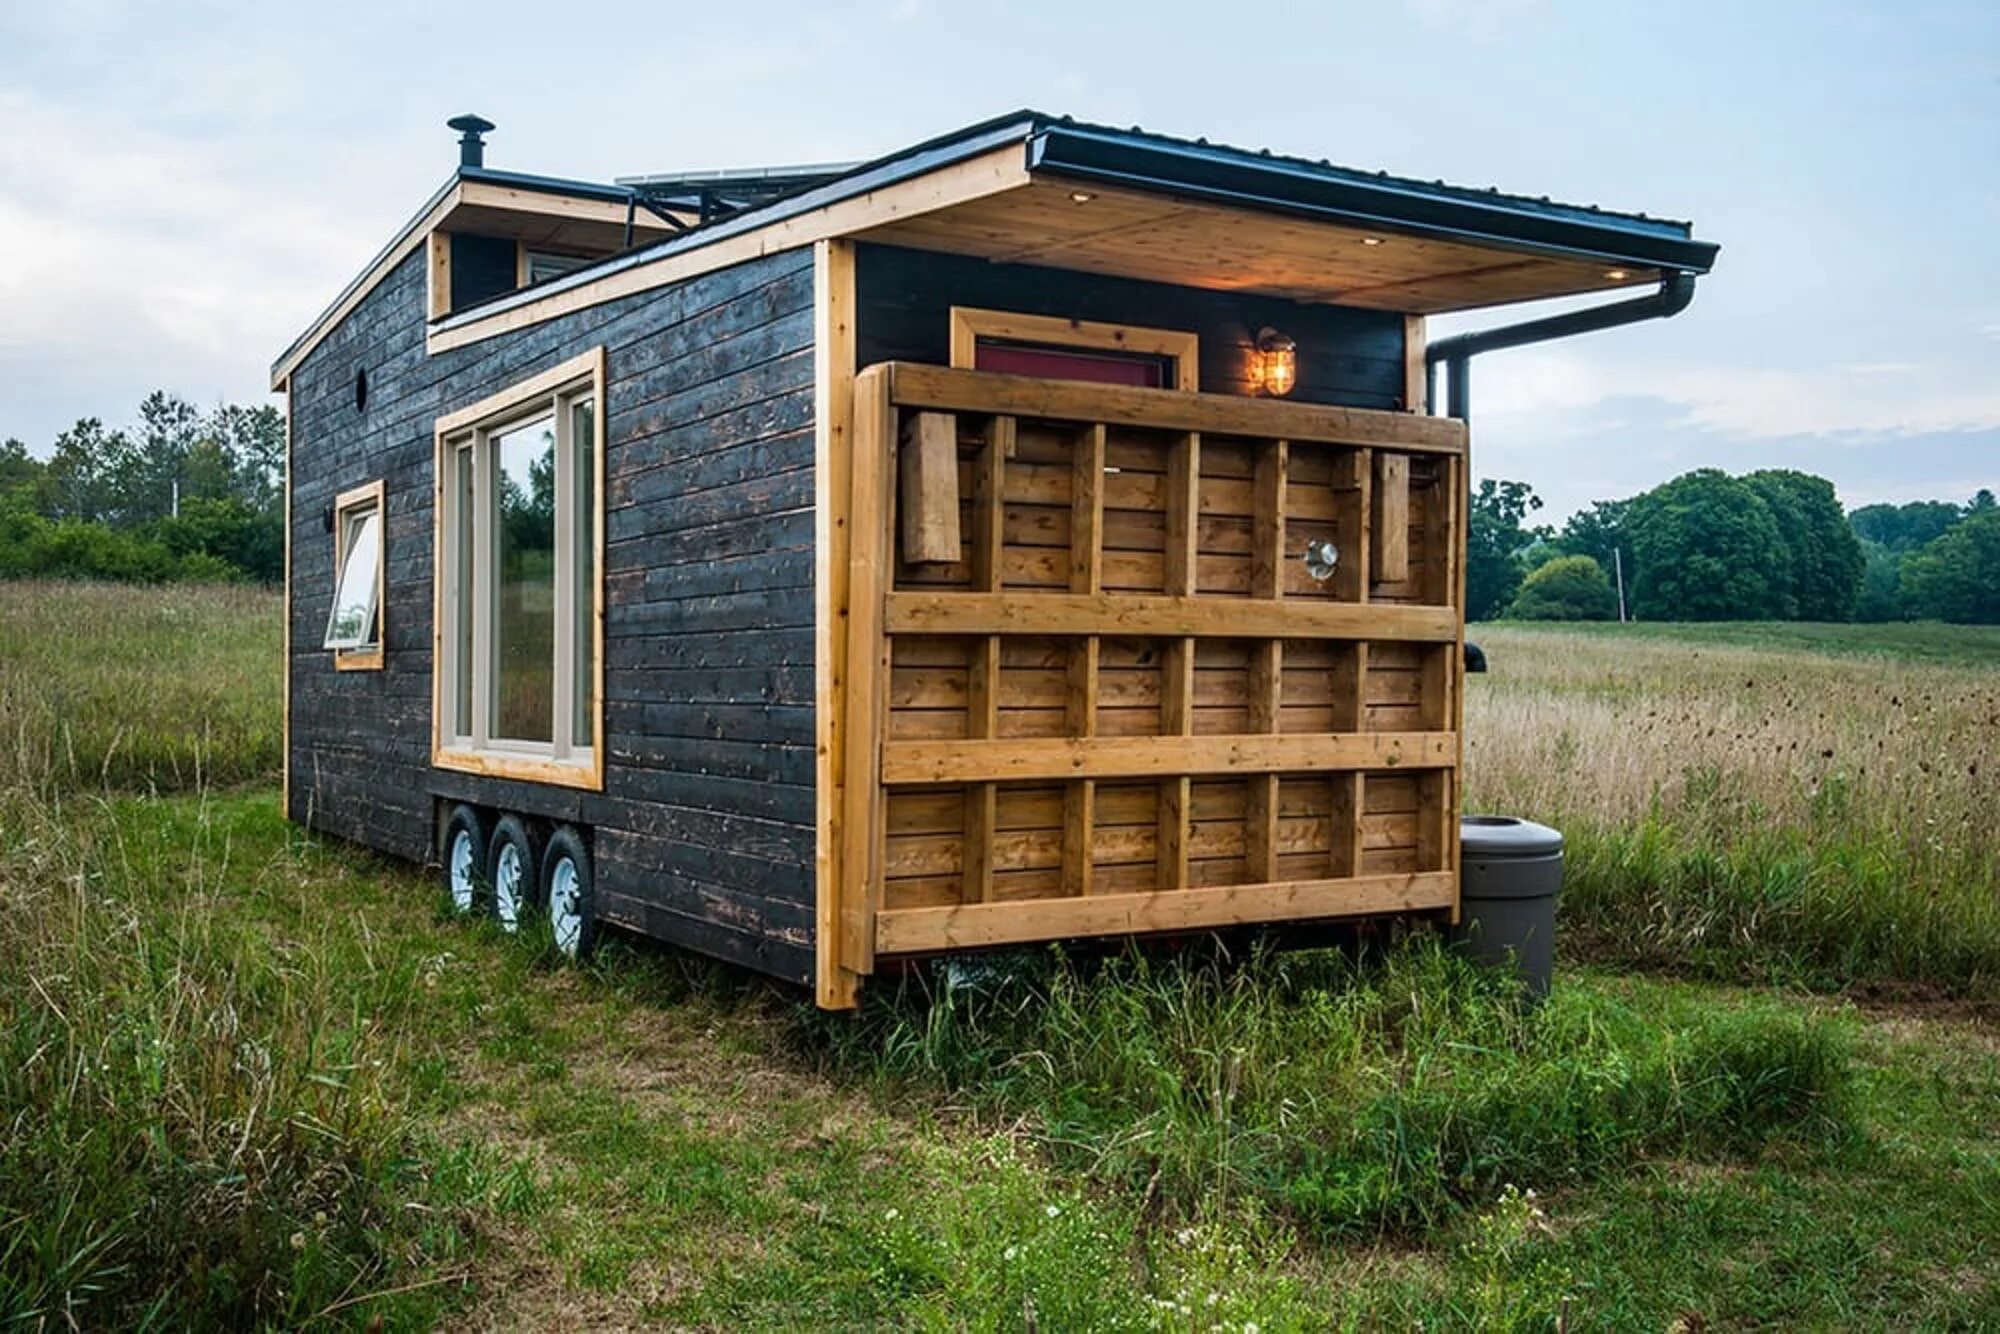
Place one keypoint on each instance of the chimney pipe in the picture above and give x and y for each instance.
(471, 148)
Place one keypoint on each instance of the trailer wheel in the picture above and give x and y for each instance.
(464, 855)
(569, 889)
(513, 868)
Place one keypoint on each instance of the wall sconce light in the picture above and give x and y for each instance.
(1277, 362)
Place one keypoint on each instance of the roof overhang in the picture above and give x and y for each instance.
(1137, 206)
(1030, 189)
(536, 210)
(1323, 192)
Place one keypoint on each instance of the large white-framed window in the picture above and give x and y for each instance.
(354, 621)
(519, 662)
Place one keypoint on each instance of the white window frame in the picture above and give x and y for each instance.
(359, 655)
(528, 256)
(570, 759)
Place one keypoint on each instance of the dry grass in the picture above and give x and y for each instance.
(1826, 816)
(135, 688)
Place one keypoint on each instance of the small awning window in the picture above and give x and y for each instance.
(358, 581)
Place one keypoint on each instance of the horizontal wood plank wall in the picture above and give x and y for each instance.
(1128, 705)
(1346, 356)
(705, 832)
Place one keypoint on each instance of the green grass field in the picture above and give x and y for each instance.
(252, 1078)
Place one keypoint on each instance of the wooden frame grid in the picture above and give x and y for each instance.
(995, 788)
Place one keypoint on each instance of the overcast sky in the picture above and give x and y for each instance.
(183, 186)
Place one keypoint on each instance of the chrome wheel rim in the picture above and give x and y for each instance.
(565, 906)
(507, 887)
(460, 866)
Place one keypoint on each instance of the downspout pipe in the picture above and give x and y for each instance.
(1456, 353)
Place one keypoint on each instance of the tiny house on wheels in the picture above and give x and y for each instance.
(1039, 533)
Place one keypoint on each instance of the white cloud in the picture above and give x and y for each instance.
(156, 258)
(1856, 401)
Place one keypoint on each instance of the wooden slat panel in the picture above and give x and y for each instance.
(1415, 378)
(1348, 820)
(929, 463)
(988, 515)
(1086, 515)
(862, 809)
(905, 762)
(937, 387)
(917, 930)
(1310, 834)
(1392, 517)
(1067, 614)
(980, 809)
(1267, 525)
(1079, 825)
(1180, 503)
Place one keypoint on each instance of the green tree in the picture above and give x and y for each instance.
(1902, 528)
(1596, 532)
(20, 471)
(1881, 573)
(1821, 571)
(254, 438)
(208, 472)
(89, 473)
(169, 427)
(1494, 542)
(1568, 588)
(244, 540)
(1705, 548)
(1957, 576)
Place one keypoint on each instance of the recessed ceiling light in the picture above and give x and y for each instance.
(1616, 275)
(1081, 196)
(1371, 240)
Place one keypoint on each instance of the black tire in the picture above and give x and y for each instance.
(513, 872)
(462, 851)
(570, 894)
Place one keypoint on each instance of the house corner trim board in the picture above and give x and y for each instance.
(837, 974)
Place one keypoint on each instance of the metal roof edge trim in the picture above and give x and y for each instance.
(1292, 186)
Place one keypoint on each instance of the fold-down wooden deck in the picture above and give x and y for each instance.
(1092, 687)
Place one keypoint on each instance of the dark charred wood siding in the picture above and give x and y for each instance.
(704, 833)
(1347, 356)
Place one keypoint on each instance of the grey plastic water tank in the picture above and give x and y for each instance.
(1512, 875)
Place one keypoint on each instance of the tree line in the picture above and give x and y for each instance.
(186, 494)
(1707, 546)
(182, 494)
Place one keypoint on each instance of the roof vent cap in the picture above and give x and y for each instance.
(471, 147)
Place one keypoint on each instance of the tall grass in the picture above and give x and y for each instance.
(1371, 1098)
(1730, 810)
(132, 688)
(197, 1120)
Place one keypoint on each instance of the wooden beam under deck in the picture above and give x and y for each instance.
(969, 926)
